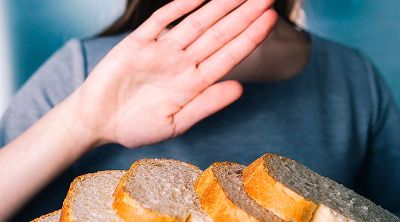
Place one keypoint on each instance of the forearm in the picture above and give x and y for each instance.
(30, 161)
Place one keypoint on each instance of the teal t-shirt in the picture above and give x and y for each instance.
(336, 116)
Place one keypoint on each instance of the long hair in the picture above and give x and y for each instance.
(137, 11)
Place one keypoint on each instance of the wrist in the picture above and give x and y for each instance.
(84, 137)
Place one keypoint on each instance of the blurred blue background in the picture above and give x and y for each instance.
(32, 30)
(370, 25)
(39, 27)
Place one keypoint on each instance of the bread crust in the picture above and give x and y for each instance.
(215, 202)
(275, 196)
(66, 208)
(41, 218)
(131, 210)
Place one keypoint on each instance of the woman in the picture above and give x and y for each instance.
(305, 98)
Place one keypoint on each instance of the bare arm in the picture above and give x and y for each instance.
(168, 85)
(29, 162)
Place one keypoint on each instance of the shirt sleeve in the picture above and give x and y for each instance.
(55, 80)
(380, 176)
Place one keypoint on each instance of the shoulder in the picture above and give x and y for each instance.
(79, 56)
(349, 67)
(329, 52)
(351, 74)
(95, 48)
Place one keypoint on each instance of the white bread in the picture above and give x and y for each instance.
(272, 188)
(159, 190)
(222, 195)
(296, 193)
(90, 198)
(50, 217)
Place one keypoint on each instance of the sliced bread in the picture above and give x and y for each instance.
(159, 190)
(222, 195)
(50, 217)
(296, 193)
(90, 198)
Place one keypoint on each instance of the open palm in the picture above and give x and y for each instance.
(156, 84)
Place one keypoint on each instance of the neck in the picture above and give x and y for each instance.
(281, 56)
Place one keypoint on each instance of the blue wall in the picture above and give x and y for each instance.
(39, 27)
(370, 25)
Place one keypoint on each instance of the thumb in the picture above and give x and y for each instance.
(210, 101)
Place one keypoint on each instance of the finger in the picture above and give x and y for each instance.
(210, 101)
(198, 22)
(225, 59)
(227, 29)
(164, 16)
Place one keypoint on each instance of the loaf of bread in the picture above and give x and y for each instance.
(271, 189)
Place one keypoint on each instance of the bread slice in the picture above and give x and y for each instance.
(90, 198)
(222, 195)
(159, 190)
(296, 193)
(50, 217)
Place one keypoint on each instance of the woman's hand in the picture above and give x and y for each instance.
(156, 84)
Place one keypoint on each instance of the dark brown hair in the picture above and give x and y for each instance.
(137, 11)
